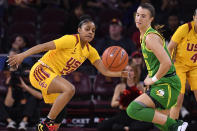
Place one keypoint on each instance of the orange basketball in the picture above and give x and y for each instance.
(115, 58)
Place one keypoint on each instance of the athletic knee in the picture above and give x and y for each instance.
(69, 90)
(133, 108)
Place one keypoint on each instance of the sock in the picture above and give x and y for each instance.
(49, 119)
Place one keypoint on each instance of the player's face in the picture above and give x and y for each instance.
(143, 18)
(87, 31)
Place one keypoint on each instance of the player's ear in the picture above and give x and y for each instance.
(79, 30)
(152, 19)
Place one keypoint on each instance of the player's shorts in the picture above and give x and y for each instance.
(40, 78)
(165, 92)
(187, 73)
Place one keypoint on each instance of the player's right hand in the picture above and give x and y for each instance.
(125, 74)
(15, 60)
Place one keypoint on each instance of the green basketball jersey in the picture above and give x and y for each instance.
(152, 63)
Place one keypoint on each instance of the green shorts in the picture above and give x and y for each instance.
(165, 92)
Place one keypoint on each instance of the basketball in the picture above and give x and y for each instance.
(115, 58)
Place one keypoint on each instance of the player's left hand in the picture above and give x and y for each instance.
(15, 60)
(148, 81)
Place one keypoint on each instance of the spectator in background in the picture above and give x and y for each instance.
(2, 9)
(125, 4)
(23, 3)
(66, 4)
(21, 102)
(98, 4)
(72, 24)
(137, 59)
(124, 93)
(171, 26)
(169, 6)
(135, 37)
(115, 38)
(50, 3)
(19, 45)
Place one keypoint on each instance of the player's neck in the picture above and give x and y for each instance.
(195, 29)
(143, 30)
(83, 43)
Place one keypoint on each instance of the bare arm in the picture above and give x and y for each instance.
(171, 46)
(9, 101)
(33, 92)
(17, 59)
(155, 43)
(115, 98)
(39, 48)
(101, 68)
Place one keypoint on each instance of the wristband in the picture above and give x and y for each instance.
(154, 79)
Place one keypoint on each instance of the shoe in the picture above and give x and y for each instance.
(46, 126)
(22, 126)
(11, 125)
(178, 126)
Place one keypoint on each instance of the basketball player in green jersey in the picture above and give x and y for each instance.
(164, 85)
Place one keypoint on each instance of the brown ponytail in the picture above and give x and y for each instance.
(158, 27)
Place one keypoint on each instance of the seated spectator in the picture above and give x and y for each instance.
(20, 44)
(124, 93)
(137, 59)
(72, 24)
(50, 3)
(94, 4)
(135, 37)
(168, 6)
(23, 3)
(2, 9)
(171, 26)
(115, 38)
(21, 102)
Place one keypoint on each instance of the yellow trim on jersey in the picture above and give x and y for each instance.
(159, 36)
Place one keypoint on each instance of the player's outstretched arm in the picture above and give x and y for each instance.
(171, 46)
(16, 60)
(101, 68)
